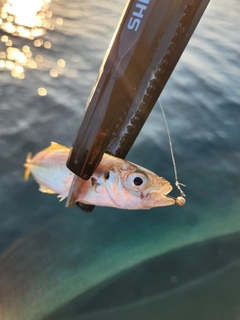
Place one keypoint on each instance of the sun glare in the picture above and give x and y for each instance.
(28, 19)
(25, 18)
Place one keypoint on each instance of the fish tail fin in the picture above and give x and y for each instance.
(27, 166)
(29, 157)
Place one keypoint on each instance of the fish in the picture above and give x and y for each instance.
(115, 183)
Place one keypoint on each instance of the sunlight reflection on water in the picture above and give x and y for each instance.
(31, 20)
(26, 18)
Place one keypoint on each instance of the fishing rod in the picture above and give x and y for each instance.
(147, 44)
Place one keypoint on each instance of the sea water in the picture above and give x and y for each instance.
(168, 262)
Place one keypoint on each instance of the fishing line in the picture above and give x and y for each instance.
(179, 200)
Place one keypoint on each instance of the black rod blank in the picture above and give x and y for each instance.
(147, 45)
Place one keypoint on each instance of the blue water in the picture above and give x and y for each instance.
(165, 263)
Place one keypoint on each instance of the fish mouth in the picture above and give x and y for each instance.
(166, 189)
(160, 200)
(170, 199)
(160, 197)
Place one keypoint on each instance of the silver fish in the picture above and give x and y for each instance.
(115, 183)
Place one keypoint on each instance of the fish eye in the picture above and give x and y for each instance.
(137, 181)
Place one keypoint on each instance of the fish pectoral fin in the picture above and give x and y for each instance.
(61, 197)
(44, 189)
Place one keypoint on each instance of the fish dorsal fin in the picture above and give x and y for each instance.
(44, 189)
(55, 145)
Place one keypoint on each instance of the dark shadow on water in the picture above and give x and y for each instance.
(161, 275)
